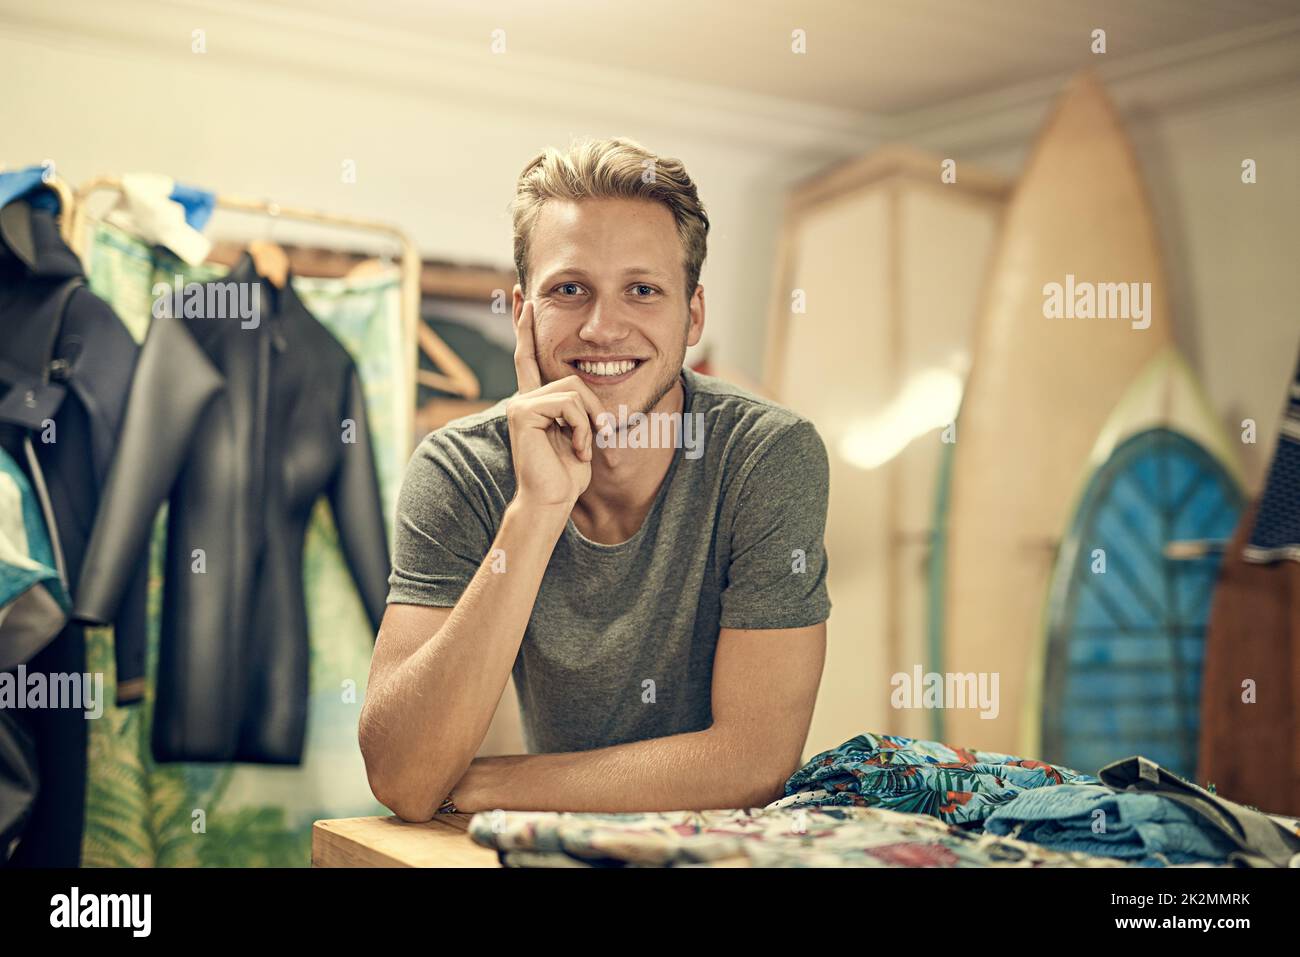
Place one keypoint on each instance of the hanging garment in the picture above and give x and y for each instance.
(754, 837)
(137, 810)
(65, 366)
(364, 315)
(198, 204)
(240, 423)
(148, 208)
(18, 783)
(27, 184)
(1250, 691)
(33, 609)
(956, 785)
(1276, 533)
(33, 602)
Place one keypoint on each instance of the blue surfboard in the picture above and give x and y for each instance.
(1125, 625)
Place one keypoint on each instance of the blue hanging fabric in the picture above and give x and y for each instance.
(197, 203)
(24, 181)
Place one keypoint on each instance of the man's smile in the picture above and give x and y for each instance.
(606, 371)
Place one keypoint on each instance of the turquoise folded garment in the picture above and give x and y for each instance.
(1144, 828)
(957, 785)
(33, 601)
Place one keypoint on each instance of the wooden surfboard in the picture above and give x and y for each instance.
(1039, 392)
(1124, 641)
(1250, 742)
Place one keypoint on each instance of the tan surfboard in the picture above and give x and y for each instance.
(1060, 338)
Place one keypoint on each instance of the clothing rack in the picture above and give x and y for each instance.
(455, 376)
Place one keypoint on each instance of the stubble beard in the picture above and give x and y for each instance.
(666, 386)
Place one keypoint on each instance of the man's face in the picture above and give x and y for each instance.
(607, 281)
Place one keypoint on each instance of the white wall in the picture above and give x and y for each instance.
(1230, 249)
(272, 109)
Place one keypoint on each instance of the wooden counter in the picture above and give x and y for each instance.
(392, 842)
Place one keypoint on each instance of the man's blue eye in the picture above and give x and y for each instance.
(569, 288)
(648, 290)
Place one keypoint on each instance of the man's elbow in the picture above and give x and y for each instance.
(765, 789)
(761, 775)
(404, 798)
(408, 807)
(389, 785)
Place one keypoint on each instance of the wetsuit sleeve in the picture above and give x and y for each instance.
(103, 382)
(358, 510)
(173, 383)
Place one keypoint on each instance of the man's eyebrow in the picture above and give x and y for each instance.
(554, 274)
(576, 271)
(645, 271)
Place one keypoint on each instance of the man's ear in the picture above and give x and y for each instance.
(695, 328)
(517, 302)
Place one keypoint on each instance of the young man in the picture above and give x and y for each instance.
(662, 604)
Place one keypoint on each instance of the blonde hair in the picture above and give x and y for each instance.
(612, 168)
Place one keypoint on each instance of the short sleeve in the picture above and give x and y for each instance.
(776, 577)
(439, 537)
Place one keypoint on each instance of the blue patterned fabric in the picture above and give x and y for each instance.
(26, 554)
(1147, 829)
(1276, 535)
(29, 619)
(956, 785)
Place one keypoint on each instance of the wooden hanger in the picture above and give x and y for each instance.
(452, 378)
(369, 267)
(271, 261)
(442, 356)
(66, 202)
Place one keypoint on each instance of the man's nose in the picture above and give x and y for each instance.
(603, 324)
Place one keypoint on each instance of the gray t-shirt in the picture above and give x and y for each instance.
(621, 640)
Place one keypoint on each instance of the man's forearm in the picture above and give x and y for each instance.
(695, 771)
(423, 725)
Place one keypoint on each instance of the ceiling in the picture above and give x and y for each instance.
(867, 56)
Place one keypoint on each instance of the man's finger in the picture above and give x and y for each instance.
(527, 372)
(562, 409)
(574, 383)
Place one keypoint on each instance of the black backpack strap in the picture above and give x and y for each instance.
(31, 397)
(1260, 841)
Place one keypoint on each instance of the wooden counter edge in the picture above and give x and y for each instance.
(392, 842)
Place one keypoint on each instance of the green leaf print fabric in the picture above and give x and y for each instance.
(143, 814)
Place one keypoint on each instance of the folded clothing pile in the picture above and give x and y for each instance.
(889, 801)
(1151, 816)
(1145, 828)
(957, 785)
(754, 837)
